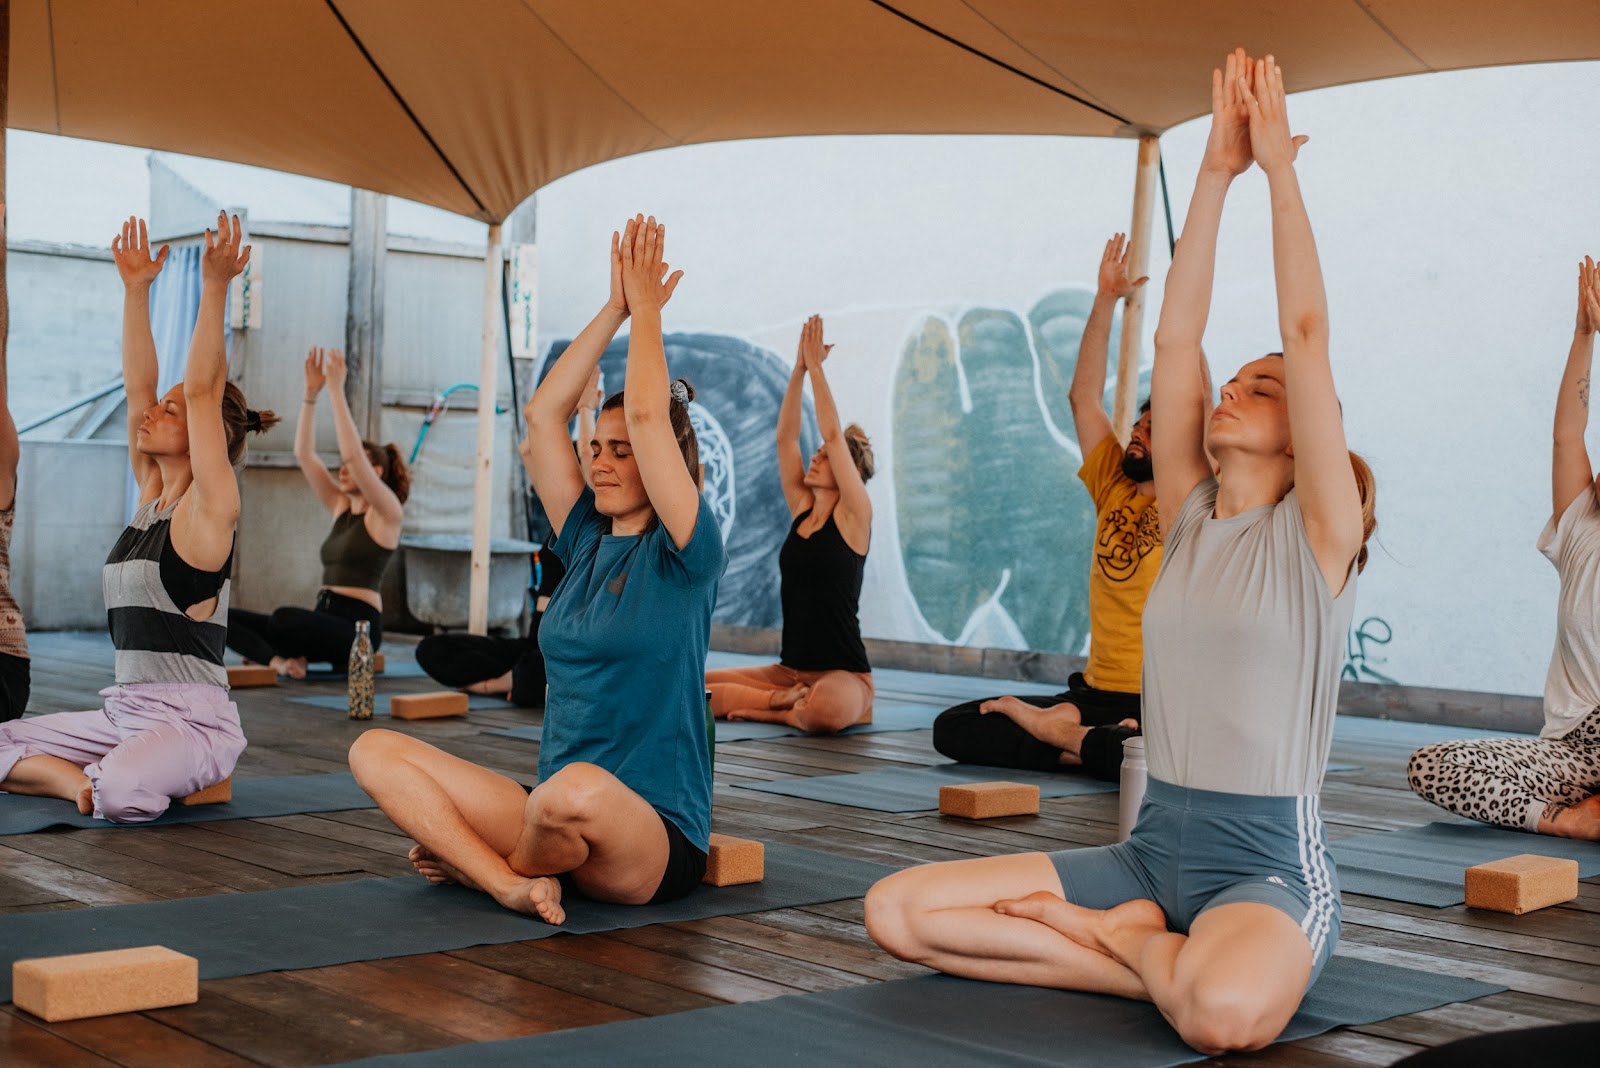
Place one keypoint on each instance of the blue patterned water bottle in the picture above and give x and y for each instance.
(361, 670)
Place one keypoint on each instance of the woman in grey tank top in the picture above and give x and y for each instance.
(167, 728)
(1243, 635)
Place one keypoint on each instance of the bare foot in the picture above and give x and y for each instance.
(1059, 725)
(293, 667)
(539, 896)
(86, 798)
(430, 867)
(1094, 928)
(782, 699)
(496, 687)
(1581, 820)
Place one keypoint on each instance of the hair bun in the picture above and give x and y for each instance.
(252, 420)
(681, 391)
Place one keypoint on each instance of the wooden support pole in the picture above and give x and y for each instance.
(363, 327)
(1128, 350)
(488, 386)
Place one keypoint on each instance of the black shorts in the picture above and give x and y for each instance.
(686, 865)
(15, 681)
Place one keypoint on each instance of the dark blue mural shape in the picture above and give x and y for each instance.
(739, 386)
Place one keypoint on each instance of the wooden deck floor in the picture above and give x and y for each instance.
(1550, 959)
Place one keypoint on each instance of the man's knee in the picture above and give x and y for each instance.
(575, 794)
(121, 798)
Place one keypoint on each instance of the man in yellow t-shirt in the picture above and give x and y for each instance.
(1083, 727)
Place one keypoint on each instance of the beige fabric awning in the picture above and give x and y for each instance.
(471, 105)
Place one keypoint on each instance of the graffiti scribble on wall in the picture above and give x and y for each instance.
(1360, 642)
(996, 531)
(738, 388)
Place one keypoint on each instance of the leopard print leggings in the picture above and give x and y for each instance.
(1510, 782)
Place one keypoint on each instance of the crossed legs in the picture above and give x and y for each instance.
(481, 829)
(820, 702)
(1232, 983)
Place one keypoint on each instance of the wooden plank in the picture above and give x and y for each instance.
(724, 984)
(26, 1044)
(677, 941)
(540, 963)
(137, 1041)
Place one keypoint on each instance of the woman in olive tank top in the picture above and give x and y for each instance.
(366, 502)
(822, 681)
(1222, 906)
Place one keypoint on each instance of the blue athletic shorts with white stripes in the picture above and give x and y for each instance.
(1193, 850)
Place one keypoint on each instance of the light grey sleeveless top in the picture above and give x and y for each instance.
(1243, 647)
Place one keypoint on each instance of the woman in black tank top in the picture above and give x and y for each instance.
(167, 729)
(366, 502)
(822, 682)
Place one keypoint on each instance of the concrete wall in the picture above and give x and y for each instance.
(66, 324)
(69, 514)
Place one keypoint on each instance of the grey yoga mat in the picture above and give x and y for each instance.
(400, 669)
(368, 919)
(252, 798)
(937, 1019)
(884, 719)
(1427, 865)
(380, 704)
(917, 789)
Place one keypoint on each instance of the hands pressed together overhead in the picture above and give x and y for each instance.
(639, 279)
(1249, 117)
(1588, 296)
(812, 351)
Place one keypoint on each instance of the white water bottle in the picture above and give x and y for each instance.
(1134, 775)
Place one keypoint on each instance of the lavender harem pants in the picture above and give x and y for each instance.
(152, 742)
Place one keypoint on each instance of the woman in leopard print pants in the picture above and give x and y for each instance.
(1549, 784)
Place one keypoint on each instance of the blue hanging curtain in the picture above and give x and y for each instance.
(174, 307)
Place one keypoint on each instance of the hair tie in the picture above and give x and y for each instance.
(252, 421)
(680, 391)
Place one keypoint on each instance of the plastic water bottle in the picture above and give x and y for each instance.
(360, 676)
(1134, 776)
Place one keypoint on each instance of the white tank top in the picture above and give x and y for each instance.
(1243, 648)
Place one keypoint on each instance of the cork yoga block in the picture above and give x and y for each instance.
(427, 705)
(377, 664)
(244, 675)
(731, 861)
(985, 800)
(99, 984)
(211, 795)
(1522, 883)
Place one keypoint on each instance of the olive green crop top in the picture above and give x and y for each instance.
(350, 557)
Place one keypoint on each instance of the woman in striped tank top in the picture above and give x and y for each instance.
(167, 728)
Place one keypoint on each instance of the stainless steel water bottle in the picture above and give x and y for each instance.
(1134, 775)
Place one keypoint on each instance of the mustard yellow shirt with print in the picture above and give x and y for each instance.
(1127, 554)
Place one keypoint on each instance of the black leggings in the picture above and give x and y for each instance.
(460, 660)
(322, 635)
(963, 733)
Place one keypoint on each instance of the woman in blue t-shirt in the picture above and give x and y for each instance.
(622, 811)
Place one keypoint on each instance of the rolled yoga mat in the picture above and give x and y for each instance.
(917, 789)
(290, 795)
(380, 703)
(885, 718)
(1427, 865)
(368, 919)
(940, 1020)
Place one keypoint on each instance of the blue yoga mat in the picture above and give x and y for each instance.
(917, 789)
(369, 919)
(1427, 865)
(884, 719)
(380, 704)
(940, 1020)
(252, 798)
(399, 669)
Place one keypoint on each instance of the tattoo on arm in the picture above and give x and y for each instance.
(1583, 391)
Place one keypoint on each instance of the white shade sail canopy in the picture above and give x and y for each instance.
(472, 105)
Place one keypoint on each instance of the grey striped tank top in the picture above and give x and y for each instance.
(144, 578)
(1243, 648)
